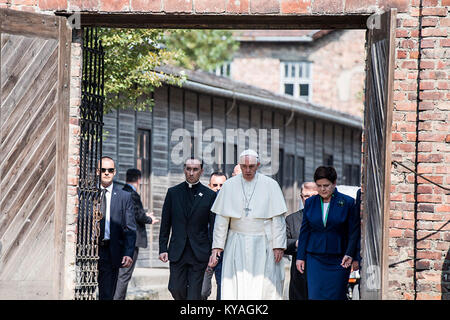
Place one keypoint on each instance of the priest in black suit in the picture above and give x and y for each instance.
(298, 289)
(186, 217)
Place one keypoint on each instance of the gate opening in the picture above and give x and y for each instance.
(375, 170)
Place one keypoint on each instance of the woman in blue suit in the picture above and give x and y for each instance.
(328, 238)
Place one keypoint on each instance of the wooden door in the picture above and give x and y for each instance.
(377, 149)
(34, 119)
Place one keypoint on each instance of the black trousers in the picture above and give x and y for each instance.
(298, 288)
(107, 274)
(186, 276)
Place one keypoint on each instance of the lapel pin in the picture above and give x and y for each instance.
(200, 194)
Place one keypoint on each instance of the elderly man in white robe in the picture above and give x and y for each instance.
(250, 229)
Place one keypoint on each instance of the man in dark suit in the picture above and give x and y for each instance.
(133, 181)
(117, 231)
(298, 289)
(216, 181)
(187, 215)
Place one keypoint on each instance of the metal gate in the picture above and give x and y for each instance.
(91, 124)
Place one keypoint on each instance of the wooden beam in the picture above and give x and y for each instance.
(391, 23)
(215, 21)
(62, 142)
(29, 24)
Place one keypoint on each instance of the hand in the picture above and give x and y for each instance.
(152, 216)
(126, 262)
(355, 265)
(164, 257)
(300, 264)
(214, 258)
(296, 244)
(346, 261)
(278, 254)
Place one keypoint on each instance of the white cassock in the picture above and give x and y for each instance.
(249, 271)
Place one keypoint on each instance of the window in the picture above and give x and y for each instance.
(296, 79)
(224, 70)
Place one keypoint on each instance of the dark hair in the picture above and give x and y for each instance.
(325, 172)
(193, 158)
(218, 174)
(133, 175)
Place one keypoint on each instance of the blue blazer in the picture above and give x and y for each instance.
(338, 237)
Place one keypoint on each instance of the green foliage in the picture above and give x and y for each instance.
(201, 49)
(131, 56)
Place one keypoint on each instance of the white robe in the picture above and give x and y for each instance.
(249, 271)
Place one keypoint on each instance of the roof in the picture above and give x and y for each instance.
(210, 83)
(274, 35)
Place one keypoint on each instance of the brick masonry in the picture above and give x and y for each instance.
(338, 64)
(433, 229)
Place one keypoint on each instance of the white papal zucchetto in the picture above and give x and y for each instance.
(251, 153)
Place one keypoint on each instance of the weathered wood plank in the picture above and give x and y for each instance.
(23, 208)
(13, 150)
(300, 136)
(61, 171)
(26, 238)
(28, 23)
(39, 89)
(338, 150)
(176, 122)
(17, 84)
(18, 193)
(318, 144)
(309, 151)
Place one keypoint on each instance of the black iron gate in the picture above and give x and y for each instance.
(91, 124)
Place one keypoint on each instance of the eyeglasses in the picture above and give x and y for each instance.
(110, 170)
(217, 184)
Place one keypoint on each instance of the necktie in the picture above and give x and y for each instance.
(103, 204)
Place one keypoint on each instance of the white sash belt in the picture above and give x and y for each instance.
(247, 225)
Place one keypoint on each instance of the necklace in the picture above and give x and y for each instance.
(247, 203)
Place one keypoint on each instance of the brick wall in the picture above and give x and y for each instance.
(433, 214)
(337, 67)
(263, 72)
(432, 76)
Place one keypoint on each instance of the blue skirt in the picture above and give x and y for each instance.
(326, 278)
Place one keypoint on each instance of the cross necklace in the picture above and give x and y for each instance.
(247, 203)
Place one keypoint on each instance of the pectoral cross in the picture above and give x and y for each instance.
(247, 211)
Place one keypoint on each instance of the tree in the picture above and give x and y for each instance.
(133, 55)
(202, 49)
